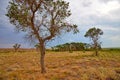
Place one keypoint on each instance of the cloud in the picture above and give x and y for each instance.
(111, 40)
(115, 38)
(104, 14)
(109, 28)
(106, 1)
(97, 13)
(4, 21)
(87, 4)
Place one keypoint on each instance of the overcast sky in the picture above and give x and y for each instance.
(104, 14)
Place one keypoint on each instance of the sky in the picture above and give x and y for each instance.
(103, 14)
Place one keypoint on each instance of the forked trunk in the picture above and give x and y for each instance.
(42, 62)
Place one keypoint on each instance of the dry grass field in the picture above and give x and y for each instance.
(24, 65)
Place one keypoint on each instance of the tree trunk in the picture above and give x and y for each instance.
(96, 48)
(96, 51)
(42, 51)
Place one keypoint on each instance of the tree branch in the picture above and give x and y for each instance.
(32, 21)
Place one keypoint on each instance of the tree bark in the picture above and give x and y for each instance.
(42, 61)
(96, 51)
(96, 47)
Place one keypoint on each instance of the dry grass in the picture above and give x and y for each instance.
(24, 65)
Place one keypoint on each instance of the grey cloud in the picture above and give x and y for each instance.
(106, 1)
(3, 4)
(104, 20)
(116, 13)
(86, 3)
(8, 36)
(4, 22)
(99, 19)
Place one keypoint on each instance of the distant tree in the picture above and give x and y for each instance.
(94, 35)
(71, 47)
(16, 47)
(42, 20)
(87, 46)
(37, 46)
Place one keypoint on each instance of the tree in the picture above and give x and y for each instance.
(37, 46)
(74, 46)
(16, 47)
(94, 35)
(42, 20)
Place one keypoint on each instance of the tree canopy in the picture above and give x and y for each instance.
(94, 35)
(41, 20)
(74, 46)
(16, 47)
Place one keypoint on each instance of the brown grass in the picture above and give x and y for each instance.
(60, 66)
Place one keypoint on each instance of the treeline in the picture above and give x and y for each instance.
(74, 46)
(111, 49)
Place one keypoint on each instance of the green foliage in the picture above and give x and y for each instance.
(71, 47)
(16, 47)
(37, 46)
(18, 15)
(94, 35)
(42, 20)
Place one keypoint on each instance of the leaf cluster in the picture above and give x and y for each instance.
(40, 19)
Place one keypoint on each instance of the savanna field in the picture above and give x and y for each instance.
(79, 65)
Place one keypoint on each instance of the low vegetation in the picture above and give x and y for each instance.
(16, 47)
(74, 46)
(24, 65)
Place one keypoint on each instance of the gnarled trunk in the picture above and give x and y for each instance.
(42, 61)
